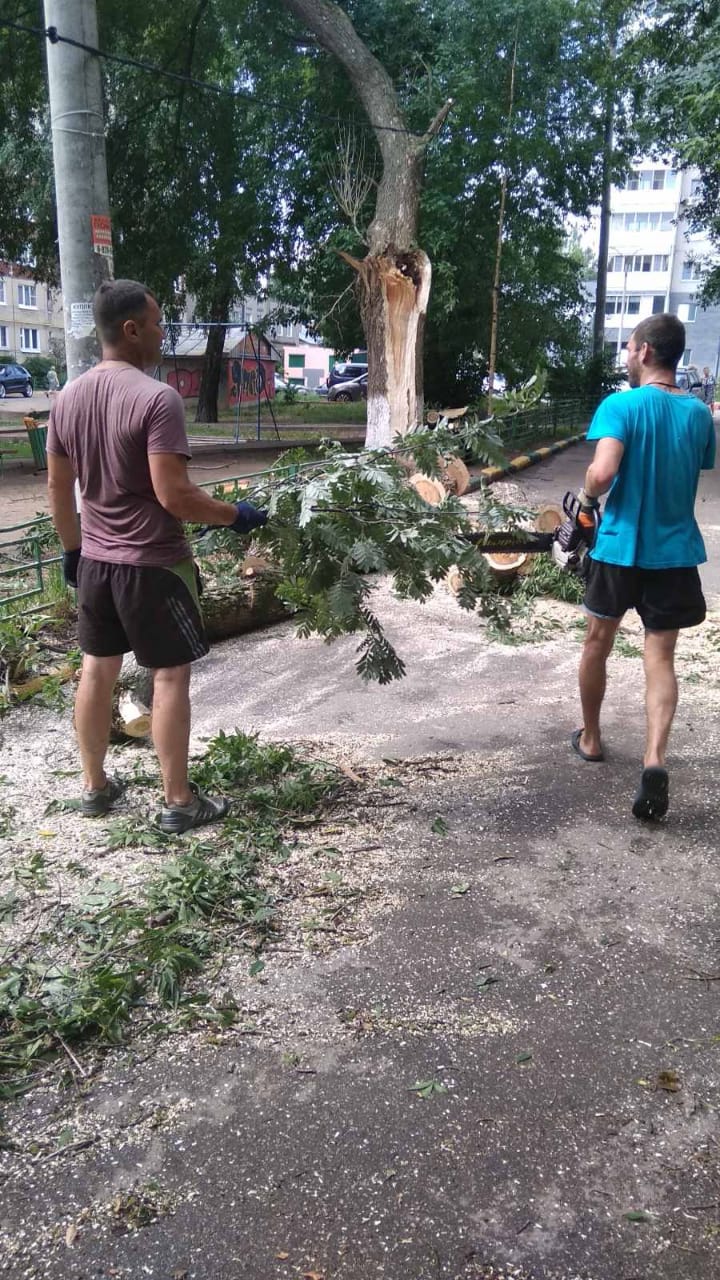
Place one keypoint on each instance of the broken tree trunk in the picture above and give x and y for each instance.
(394, 278)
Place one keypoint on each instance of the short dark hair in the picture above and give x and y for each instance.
(665, 334)
(115, 302)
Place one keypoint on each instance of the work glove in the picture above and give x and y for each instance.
(248, 518)
(588, 516)
(70, 562)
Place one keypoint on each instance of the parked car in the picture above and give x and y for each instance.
(14, 378)
(281, 385)
(346, 371)
(354, 389)
(688, 377)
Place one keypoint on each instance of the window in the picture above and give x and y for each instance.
(2, 290)
(670, 179)
(632, 182)
(660, 262)
(687, 312)
(632, 306)
(696, 187)
(658, 304)
(296, 362)
(616, 263)
(27, 295)
(3, 337)
(613, 305)
(658, 180)
(29, 340)
(686, 358)
(690, 271)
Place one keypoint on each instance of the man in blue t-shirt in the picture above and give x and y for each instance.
(653, 442)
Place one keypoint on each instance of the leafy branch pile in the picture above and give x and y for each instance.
(353, 516)
(108, 962)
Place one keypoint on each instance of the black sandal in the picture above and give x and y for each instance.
(652, 799)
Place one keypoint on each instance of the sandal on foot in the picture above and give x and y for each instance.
(97, 802)
(652, 799)
(575, 744)
(177, 818)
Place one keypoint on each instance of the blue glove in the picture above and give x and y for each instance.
(70, 562)
(248, 518)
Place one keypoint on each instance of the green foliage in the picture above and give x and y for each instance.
(99, 967)
(354, 516)
(37, 367)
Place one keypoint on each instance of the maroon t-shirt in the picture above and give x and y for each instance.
(107, 422)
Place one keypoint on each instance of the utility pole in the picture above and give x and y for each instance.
(81, 189)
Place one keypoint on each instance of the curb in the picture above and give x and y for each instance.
(523, 460)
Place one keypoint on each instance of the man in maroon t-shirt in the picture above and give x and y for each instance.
(122, 435)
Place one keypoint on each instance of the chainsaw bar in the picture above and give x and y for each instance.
(504, 540)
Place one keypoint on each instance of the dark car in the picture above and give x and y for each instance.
(14, 378)
(355, 389)
(346, 371)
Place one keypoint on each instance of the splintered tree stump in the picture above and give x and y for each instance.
(428, 488)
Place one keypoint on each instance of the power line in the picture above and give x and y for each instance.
(52, 34)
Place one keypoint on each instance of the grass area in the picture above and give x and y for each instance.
(315, 412)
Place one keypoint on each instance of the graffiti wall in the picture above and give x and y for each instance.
(244, 379)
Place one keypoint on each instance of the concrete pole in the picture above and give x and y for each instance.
(81, 189)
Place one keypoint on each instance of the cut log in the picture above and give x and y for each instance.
(451, 414)
(134, 719)
(432, 417)
(505, 564)
(454, 580)
(548, 518)
(455, 476)
(429, 489)
(232, 613)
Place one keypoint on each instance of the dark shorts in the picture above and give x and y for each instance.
(666, 599)
(152, 611)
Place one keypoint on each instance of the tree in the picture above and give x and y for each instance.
(681, 55)
(394, 277)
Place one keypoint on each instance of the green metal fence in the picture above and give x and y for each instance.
(28, 551)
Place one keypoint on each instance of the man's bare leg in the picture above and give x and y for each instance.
(93, 715)
(661, 693)
(171, 730)
(599, 640)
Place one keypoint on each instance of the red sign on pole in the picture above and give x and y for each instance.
(101, 235)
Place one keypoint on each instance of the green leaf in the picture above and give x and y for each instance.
(523, 1057)
(637, 1215)
(459, 890)
(426, 1088)
(439, 826)
(256, 967)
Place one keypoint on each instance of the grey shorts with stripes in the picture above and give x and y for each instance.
(153, 612)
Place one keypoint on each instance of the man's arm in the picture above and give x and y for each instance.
(176, 492)
(61, 479)
(603, 468)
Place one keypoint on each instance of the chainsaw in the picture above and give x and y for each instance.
(568, 543)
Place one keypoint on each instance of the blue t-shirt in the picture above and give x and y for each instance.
(649, 518)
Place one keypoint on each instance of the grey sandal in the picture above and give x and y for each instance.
(177, 818)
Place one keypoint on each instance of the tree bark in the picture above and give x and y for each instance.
(598, 343)
(394, 279)
(207, 405)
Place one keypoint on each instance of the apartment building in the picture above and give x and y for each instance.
(655, 261)
(31, 317)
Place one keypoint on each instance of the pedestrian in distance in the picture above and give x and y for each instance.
(122, 435)
(652, 443)
(708, 387)
(52, 383)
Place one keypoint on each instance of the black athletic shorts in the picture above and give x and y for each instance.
(666, 599)
(152, 611)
